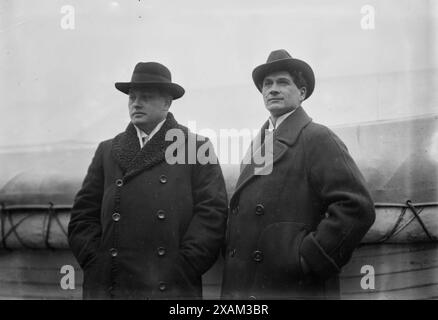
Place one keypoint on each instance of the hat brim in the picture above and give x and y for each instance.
(175, 90)
(290, 64)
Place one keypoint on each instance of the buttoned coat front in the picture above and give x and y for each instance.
(142, 228)
(313, 204)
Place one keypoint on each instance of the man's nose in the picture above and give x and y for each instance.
(136, 104)
(273, 90)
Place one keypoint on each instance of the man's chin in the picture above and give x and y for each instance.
(276, 108)
(139, 121)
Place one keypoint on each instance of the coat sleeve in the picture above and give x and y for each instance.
(341, 188)
(84, 229)
(205, 235)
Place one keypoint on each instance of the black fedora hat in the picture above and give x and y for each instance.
(151, 74)
(281, 60)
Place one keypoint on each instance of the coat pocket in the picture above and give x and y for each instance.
(96, 276)
(278, 256)
(186, 280)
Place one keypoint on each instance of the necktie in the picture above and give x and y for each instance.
(143, 140)
(269, 136)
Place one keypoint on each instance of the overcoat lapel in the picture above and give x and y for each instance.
(133, 160)
(252, 170)
(248, 164)
(284, 137)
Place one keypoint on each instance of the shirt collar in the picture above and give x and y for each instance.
(280, 119)
(141, 134)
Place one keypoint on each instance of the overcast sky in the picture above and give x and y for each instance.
(58, 84)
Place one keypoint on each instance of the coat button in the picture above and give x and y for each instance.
(116, 216)
(260, 209)
(113, 252)
(163, 179)
(162, 286)
(232, 253)
(119, 182)
(161, 215)
(257, 256)
(161, 251)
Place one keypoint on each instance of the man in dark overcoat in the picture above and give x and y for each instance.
(293, 225)
(143, 227)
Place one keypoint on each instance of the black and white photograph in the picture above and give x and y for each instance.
(228, 152)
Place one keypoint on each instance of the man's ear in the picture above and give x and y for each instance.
(303, 93)
(169, 102)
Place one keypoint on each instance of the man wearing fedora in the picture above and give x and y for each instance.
(142, 228)
(290, 231)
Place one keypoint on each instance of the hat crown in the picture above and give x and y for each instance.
(151, 74)
(281, 60)
(151, 71)
(278, 55)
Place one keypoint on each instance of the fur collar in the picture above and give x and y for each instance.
(133, 160)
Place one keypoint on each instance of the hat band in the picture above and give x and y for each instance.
(147, 77)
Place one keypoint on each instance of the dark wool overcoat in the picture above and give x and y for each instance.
(142, 228)
(313, 204)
